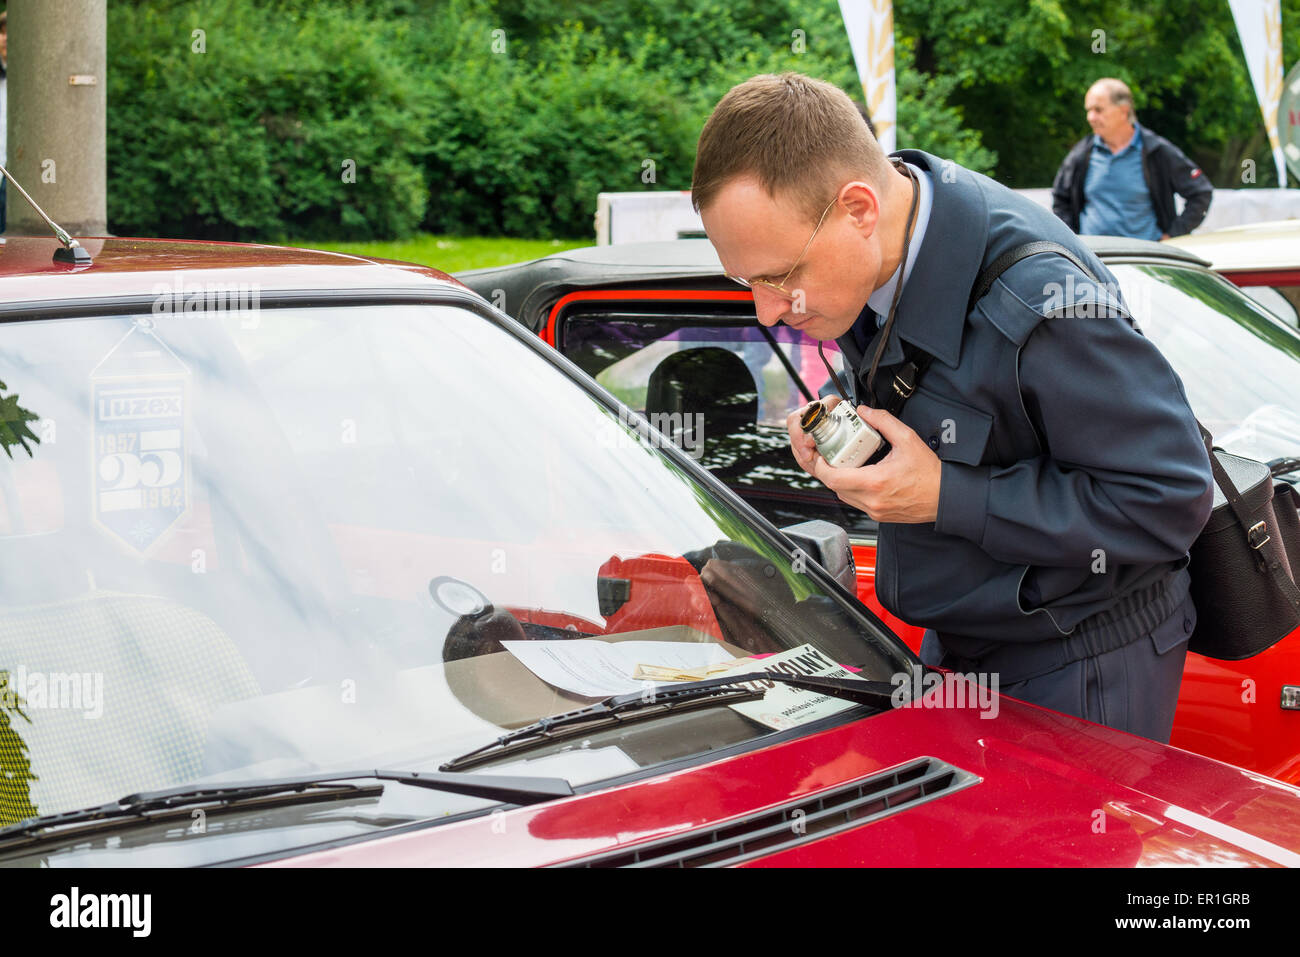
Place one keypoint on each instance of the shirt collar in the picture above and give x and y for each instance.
(880, 300)
(943, 268)
(1134, 143)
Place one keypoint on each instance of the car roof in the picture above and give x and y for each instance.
(1254, 246)
(133, 267)
(530, 289)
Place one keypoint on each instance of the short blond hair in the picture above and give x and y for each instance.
(796, 135)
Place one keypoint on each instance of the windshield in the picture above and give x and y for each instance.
(370, 536)
(1239, 363)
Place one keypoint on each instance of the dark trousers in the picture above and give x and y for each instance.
(1133, 688)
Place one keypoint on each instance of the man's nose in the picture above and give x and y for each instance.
(769, 305)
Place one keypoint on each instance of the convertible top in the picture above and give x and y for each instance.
(531, 289)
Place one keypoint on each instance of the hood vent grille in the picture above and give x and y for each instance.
(798, 822)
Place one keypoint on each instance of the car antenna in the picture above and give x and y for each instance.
(72, 251)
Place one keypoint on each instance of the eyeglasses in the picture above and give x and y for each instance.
(780, 286)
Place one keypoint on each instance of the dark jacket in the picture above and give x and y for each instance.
(1166, 170)
(1073, 477)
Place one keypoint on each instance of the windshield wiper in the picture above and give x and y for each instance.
(146, 804)
(639, 705)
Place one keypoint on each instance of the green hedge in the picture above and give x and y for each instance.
(461, 116)
(249, 138)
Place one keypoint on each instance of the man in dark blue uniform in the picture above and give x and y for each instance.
(1046, 477)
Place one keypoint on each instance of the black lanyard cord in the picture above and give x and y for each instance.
(893, 307)
(839, 386)
(898, 290)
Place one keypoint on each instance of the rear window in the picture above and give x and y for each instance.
(721, 390)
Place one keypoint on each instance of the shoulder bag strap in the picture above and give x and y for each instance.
(1257, 534)
(916, 360)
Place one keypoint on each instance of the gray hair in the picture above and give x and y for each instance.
(1119, 94)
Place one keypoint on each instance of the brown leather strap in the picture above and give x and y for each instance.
(1257, 533)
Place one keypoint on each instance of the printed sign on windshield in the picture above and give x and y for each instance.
(140, 454)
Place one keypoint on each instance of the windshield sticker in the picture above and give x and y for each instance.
(139, 396)
(783, 706)
(598, 669)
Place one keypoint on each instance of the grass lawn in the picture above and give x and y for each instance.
(453, 253)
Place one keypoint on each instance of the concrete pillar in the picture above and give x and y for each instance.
(56, 114)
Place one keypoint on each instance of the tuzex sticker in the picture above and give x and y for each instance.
(784, 706)
(139, 397)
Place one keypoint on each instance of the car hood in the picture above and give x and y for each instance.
(1033, 788)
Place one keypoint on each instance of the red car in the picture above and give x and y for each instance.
(307, 559)
(661, 326)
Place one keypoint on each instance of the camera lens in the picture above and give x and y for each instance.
(812, 415)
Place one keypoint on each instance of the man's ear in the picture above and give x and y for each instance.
(862, 201)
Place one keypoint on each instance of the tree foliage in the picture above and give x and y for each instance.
(15, 761)
(1021, 71)
(14, 428)
(507, 117)
(232, 120)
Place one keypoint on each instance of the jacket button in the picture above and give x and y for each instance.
(1187, 625)
(934, 442)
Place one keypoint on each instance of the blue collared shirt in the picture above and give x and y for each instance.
(1116, 200)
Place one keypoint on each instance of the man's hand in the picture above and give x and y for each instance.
(902, 487)
(801, 443)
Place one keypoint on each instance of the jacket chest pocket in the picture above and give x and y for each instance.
(956, 432)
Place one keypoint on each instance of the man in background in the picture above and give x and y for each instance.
(1121, 180)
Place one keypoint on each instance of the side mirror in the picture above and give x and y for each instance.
(828, 545)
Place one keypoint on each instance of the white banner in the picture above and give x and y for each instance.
(870, 24)
(1259, 24)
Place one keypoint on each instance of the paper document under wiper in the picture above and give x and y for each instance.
(786, 707)
(598, 669)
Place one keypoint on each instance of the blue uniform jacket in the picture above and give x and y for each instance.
(1074, 478)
